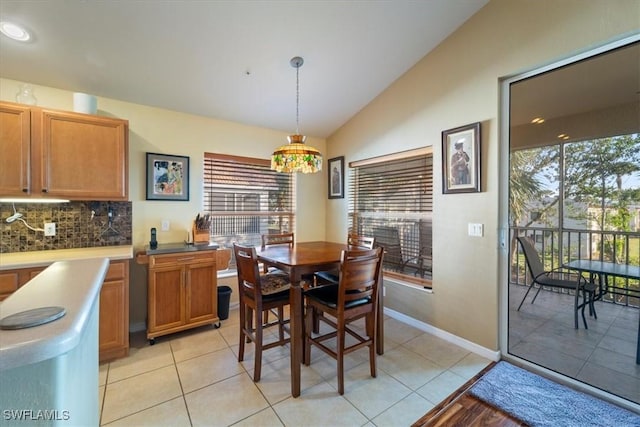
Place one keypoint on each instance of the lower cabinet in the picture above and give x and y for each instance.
(114, 305)
(114, 312)
(11, 280)
(182, 292)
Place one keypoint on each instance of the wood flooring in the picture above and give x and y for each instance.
(464, 410)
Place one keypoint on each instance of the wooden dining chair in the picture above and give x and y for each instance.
(354, 297)
(354, 241)
(276, 239)
(259, 294)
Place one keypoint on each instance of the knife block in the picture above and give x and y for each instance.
(200, 236)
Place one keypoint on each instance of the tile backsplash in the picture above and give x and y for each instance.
(78, 225)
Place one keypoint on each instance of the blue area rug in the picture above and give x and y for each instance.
(538, 401)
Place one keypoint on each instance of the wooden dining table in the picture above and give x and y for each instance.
(305, 258)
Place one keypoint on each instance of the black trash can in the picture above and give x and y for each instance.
(224, 296)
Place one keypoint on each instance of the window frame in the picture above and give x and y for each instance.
(414, 235)
(248, 170)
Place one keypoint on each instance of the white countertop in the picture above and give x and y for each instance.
(74, 285)
(42, 258)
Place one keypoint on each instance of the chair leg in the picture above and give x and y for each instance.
(370, 324)
(257, 344)
(536, 295)
(243, 322)
(316, 321)
(306, 357)
(525, 296)
(585, 302)
(249, 325)
(340, 355)
(281, 323)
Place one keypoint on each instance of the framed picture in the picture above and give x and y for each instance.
(167, 177)
(461, 159)
(336, 178)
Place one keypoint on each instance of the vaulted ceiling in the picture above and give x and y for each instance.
(229, 59)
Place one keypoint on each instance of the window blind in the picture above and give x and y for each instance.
(246, 199)
(391, 199)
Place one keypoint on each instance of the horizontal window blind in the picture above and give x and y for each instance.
(246, 199)
(391, 199)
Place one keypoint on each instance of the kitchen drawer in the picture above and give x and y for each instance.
(182, 258)
(8, 283)
(116, 271)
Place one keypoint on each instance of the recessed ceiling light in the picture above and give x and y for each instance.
(537, 120)
(14, 31)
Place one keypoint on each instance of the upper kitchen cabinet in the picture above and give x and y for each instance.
(60, 154)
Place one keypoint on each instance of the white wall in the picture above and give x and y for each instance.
(455, 85)
(163, 131)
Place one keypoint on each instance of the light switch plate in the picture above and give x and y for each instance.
(476, 230)
(165, 225)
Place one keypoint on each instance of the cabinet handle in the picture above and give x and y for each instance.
(44, 190)
(25, 190)
(186, 258)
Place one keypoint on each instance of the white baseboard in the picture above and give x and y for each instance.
(454, 339)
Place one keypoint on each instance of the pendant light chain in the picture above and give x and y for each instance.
(298, 99)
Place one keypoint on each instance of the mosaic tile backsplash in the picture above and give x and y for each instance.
(78, 225)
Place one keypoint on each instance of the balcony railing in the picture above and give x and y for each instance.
(557, 247)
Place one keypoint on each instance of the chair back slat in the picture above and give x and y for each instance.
(359, 274)
(357, 241)
(531, 256)
(248, 272)
(277, 239)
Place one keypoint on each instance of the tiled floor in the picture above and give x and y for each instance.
(603, 355)
(194, 379)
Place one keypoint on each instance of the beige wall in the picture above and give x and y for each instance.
(162, 131)
(458, 84)
(455, 85)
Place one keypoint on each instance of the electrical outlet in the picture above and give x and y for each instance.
(165, 225)
(49, 228)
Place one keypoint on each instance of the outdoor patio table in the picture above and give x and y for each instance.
(605, 269)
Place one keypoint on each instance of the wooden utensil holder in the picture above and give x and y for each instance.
(200, 236)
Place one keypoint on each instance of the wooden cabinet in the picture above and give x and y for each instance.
(61, 154)
(114, 305)
(182, 292)
(11, 280)
(114, 312)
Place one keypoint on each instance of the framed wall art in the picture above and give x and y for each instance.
(336, 178)
(167, 177)
(461, 159)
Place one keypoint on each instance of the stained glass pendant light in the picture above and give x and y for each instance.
(296, 156)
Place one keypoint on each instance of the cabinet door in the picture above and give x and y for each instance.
(83, 156)
(166, 298)
(201, 293)
(15, 139)
(112, 315)
(114, 312)
(9, 281)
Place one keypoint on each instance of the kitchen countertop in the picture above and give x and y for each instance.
(169, 248)
(13, 260)
(74, 285)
